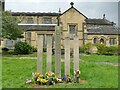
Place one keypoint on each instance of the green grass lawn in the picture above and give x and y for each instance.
(16, 71)
(99, 58)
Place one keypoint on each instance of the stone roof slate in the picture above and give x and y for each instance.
(109, 30)
(99, 21)
(38, 27)
(34, 14)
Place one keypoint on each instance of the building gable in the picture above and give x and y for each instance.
(72, 17)
(72, 8)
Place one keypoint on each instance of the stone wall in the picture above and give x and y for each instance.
(105, 37)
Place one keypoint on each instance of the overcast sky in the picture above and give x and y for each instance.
(90, 9)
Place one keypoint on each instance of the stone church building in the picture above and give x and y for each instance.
(72, 23)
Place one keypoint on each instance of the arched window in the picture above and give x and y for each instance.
(95, 40)
(102, 41)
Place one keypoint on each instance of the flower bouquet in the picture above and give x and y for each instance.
(51, 79)
(77, 76)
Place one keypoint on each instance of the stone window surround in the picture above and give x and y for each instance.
(30, 20)
(114, 41)
(76, 27)
(47, 18)
(102, 37)
(96, 40)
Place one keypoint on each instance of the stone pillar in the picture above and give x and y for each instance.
(39, 53)
(49, 52)
(67, 55)
(76, 53)
(58, 51)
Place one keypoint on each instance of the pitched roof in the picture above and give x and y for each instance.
(76, 10)
(108, 30)
(38, 27)
(34, 14)
(99, 21)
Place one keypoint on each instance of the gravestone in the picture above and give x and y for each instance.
(39, 52)
(49, 35)
(67, 55)
(93, 49)
(58, 51)
(49, 53)
(76, 53)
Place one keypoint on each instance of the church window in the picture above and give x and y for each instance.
(72, 29)
(47, 20)
(102, 41)
(30, 20)
(112, 41)
(95, 40)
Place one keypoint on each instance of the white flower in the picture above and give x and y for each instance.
(28, 81)
(33, 74)
(78, 71)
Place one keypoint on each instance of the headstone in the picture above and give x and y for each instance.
(93, 49)
(76, 53)
(58, 51)
(67, 55)
(39, 53)
(49, 52)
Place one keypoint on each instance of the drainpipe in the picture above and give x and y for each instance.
(83, 33)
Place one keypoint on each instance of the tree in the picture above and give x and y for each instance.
(10, 28)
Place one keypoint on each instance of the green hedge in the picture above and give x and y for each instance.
(23, 48)
(85, 48)
(102, 49)
(107, 50)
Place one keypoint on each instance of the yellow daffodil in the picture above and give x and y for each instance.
(39, 79)
(44, 81)
(40, 76)
(49, 74)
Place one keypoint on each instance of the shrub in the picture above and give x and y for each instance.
(44, 49)
(71, 52)
(5, 49)
(87, 47)
(53, 51)
(34, 49)
(112, 50)
(82, 49)
(101, 48)
(62, 51)
(106, 50)
(23, 48)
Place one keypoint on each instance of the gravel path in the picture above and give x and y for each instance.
(109, 63)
